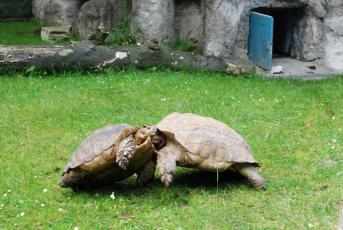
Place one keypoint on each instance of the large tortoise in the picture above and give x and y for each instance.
(195, 141)
(110, 154)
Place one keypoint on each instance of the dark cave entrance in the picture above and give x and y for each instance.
(285, 22)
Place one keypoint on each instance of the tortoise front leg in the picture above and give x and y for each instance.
(166, 164)
(126, 150)
(147, 173)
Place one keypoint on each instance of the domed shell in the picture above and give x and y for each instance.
(207, 138)
(95, 144)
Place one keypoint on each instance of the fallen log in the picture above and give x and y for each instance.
(87, 55)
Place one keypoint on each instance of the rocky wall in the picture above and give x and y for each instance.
(109, 13)
(189, 20)
(84, 15)
(221, 27)
(57, 12)
(333, 45)
(153, 19)
(317, 33)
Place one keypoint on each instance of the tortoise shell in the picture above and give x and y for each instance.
(94, 161)
(95, 144)
(207, 138)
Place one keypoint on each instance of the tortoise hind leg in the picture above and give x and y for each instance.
(251, 173)
(146, 175)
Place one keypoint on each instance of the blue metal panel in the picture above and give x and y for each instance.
(261, 40)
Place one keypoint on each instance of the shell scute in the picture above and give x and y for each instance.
(95, 144)
(207, 138)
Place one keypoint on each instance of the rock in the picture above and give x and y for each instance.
(87, 55)
(58, 33)
(153, 19)
(219, 27)
(333, 57)
(109, 13)
(239, 69)
(56, 12)
(189, 23)
(308, 38)
(99, 36)
(222, 23)
(318, 7)
(276, 70)
(151, 44)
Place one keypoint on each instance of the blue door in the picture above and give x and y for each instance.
(261, 40)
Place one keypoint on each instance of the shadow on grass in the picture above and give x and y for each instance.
(185, 182)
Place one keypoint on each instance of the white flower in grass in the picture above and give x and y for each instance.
(22, 214)
(310, 225)
(45, 190)
(42, 205)
(5, 194)
(1, 206)
(113, 197)
(76, 228)
(60, 210)
(9, 190)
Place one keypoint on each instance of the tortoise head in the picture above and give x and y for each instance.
(131, 142)
(157, 137)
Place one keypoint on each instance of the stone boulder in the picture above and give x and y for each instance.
(108, 13)
(58, 33)
(56, 12)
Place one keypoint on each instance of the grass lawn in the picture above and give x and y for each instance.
(295, 129)
(20, 33)
(24, 33)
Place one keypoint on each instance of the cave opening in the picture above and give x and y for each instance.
(286, 21)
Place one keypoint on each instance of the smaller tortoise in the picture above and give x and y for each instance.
(110, 154)
(195, 141)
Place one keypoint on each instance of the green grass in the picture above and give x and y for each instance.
(186, 46)
(20, 33)
(25, 33)
(295, 129)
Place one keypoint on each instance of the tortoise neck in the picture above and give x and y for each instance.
(159, 140)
